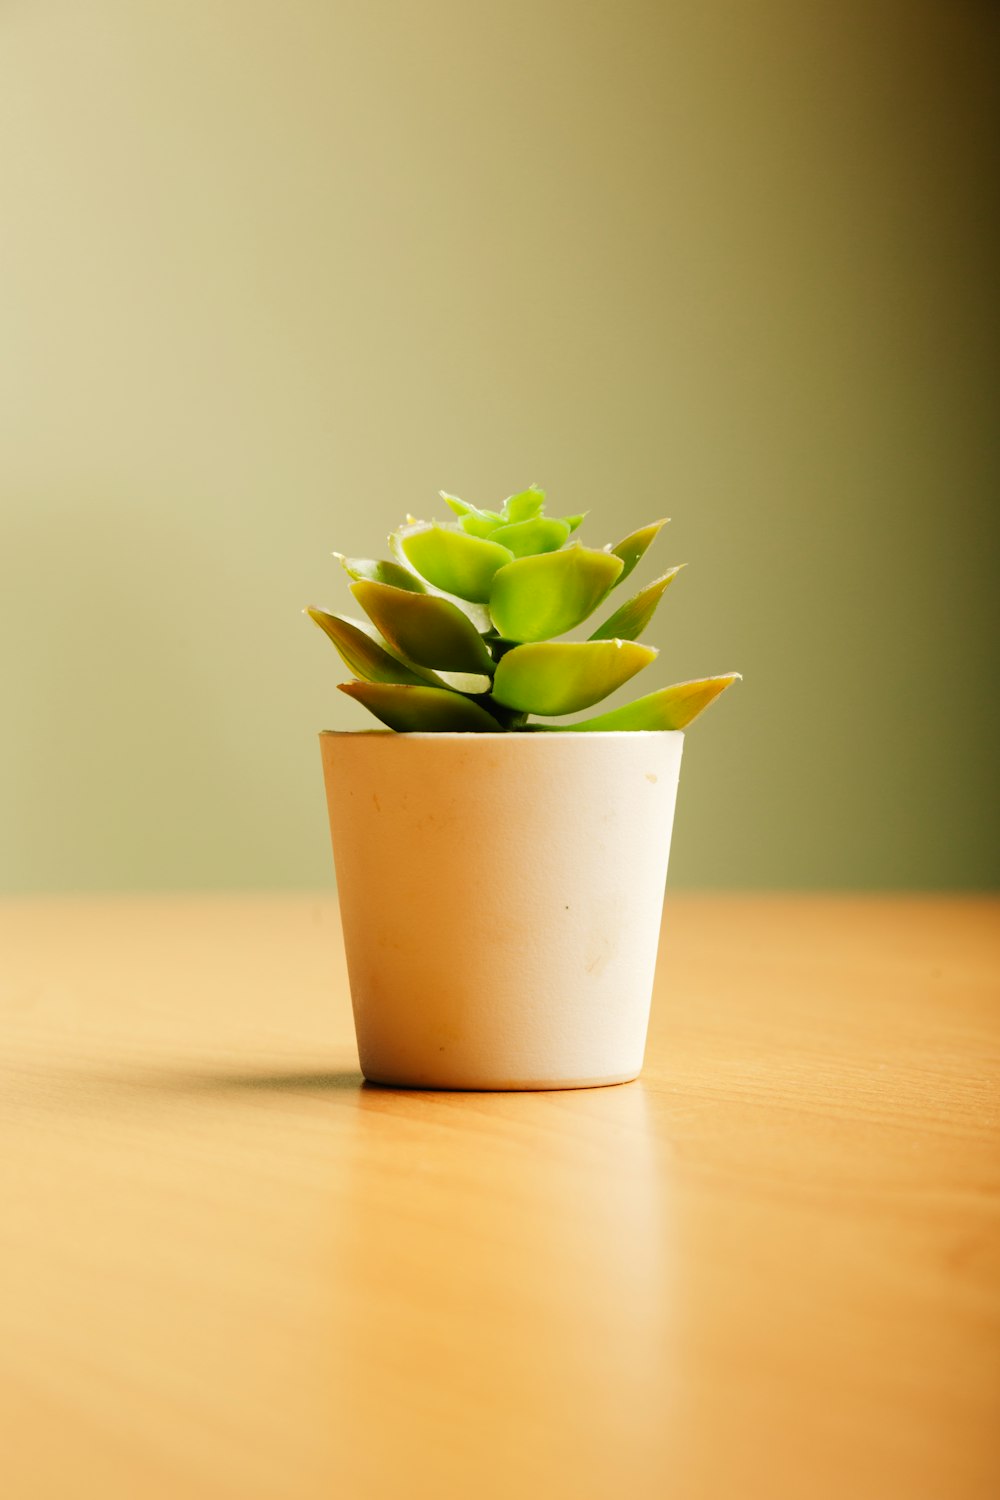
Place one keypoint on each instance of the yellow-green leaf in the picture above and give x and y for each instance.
(670, 708)
(628, 623)
(473, 520)
(454, 561)
(536, 598)
(426, 710)
(368, 656)
(365, 654)
(524, 506)
(563, 676)
(424, 628)
(634, 546)
(381, 572)
(526, 538)
(478, 614)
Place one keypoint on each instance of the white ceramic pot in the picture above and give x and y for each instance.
(501, 897)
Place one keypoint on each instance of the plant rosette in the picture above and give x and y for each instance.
(501, 877)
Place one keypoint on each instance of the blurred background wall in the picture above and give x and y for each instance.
(276, 271)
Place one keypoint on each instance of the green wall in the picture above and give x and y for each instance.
(274, 273)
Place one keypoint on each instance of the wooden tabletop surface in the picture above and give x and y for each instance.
(770, 1268)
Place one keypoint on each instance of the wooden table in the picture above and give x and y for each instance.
(769, 1269)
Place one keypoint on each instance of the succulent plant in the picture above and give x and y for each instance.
(461, 626)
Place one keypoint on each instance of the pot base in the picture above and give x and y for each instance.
(506, 1086)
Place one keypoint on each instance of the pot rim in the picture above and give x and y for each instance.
(505, 736)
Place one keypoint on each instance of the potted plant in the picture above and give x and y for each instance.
(501, 876)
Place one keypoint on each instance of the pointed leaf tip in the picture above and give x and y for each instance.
(671, 708)
(632, 548)
(362, 649)
(635, 614)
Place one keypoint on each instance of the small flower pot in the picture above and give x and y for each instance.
(501, 897)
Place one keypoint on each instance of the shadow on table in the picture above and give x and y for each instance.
(88, 1087)
(271, 1081)
(300, 1081)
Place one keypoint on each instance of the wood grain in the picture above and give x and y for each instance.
(770, 1268)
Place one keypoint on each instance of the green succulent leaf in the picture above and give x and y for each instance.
(461, 682)
(634, 546)
(478, 614)
(524, 506)
(367, 655)
(628, 623)
(526, 538)
(563, 676)
(421, 709)
(574, 521)
(478, 527)
(382, 572)
(473, 520)
(457, 563)
(670, 708)
(536, 598)
(424, 628)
